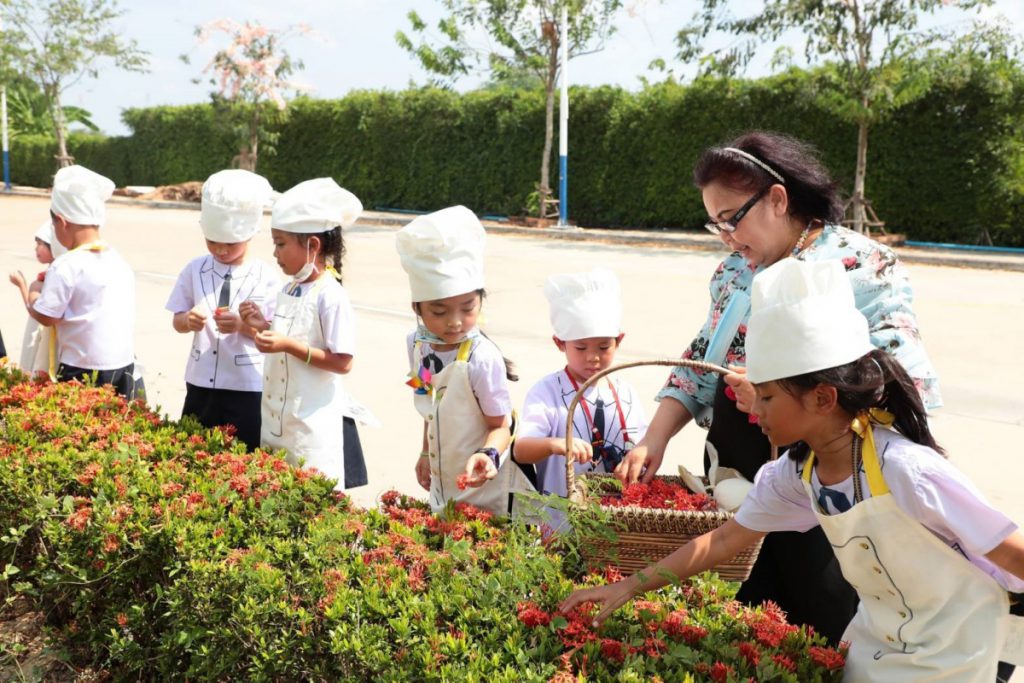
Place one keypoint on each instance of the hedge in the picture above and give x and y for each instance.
(159, 550)
(942, 169)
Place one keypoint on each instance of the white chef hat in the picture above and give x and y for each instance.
(585, 305)
(315, 206)
(232, 205)
(44, 233)
(79, 195)
(443, 253)
(803, 319)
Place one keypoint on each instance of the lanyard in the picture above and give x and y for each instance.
(98, 245)
(595, 438)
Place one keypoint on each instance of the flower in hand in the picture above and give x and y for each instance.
(479, 469)
(252, 315)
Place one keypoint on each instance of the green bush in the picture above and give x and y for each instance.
(941, 169)
(161, 551)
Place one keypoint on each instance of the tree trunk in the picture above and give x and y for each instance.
(549, 134)
(254, 137)
(859, 216)
(60, 128)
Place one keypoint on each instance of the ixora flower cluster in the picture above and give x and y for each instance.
(159, 550)
(660, 495)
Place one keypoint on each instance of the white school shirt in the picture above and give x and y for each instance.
(546, 410)
(925, 486)
(487, 373)
(92, 293)
(224, 361)
(337, 317)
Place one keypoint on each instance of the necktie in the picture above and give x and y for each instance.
(598, 434)
(840, 503)
(225, 292)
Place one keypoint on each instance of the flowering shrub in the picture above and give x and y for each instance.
(161, 550)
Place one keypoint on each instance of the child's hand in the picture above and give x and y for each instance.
(423, 472)
(479, 470)
(269, 341)
(582, 452)
(196, 320)
(18, 280)
(741, 388)
(252, 316)
(227, 321)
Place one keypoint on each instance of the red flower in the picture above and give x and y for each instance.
(614, 650)
(92, 470)
(693, 634)
(532, 616)
(827, 657)
(462, 481)
(122, 619)
(720, 672)
(79, 518)
(750, 652)
(784, 662)
(170, 489)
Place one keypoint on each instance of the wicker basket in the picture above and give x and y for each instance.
(646, 535)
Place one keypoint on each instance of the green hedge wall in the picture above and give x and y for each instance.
(941, 169)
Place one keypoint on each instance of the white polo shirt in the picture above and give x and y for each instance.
(216, 360)
(92, 293)
(546, 410)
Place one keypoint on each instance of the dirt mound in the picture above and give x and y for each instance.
(182, 192)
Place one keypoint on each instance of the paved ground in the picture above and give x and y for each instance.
(972, 320)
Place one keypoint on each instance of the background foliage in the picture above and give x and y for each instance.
(941, 169)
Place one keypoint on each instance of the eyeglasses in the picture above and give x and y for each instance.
(730, 224)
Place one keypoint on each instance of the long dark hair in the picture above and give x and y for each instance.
(812, 192)
(875, 380)
(332, 246)
(511, 373)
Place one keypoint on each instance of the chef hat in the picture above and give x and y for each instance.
(315, 206)
(232, 205)
(803, 319)
(44, 233)
(585, 305)
(443, 254)
(79, 195)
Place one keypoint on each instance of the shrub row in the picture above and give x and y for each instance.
(943, 168)
(162, 551)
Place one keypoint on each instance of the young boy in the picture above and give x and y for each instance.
(224, 373)
(586, 313)
(88, 295)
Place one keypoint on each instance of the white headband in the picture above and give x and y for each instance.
(752, 158)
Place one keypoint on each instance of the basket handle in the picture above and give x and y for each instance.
(570, 464)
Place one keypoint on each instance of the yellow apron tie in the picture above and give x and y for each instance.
(861, 426)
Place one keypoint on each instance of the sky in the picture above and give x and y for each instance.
(355, 47)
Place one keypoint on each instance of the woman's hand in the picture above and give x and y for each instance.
(269, 341)
(252, 315)
(639, 465)
(741, 387)
(227, 321)
(423, 471)
(479, 470)
(609, 598)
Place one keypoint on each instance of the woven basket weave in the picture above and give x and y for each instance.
(646, 535)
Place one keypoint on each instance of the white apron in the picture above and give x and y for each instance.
(303, 406)
(926, 613)
(39, 350)
(456, 428)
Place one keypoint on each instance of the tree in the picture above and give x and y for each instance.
(251, 77)
(59, 42)
(30, 113)
(526, 37)
(869, 46)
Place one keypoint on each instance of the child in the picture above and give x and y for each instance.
(464, 453)
(312, 337)
(38, 344)
(586, 310)
(224, 373)
(88, 295)
(930, 559)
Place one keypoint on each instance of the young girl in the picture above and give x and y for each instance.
(39, 344)
(459, 375)
(224, 374)
(930, 559)
(312, 336)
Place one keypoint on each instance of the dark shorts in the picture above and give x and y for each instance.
(122, 379)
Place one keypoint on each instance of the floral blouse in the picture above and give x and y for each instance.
(882, 292)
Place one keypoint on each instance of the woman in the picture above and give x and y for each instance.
(768, 198)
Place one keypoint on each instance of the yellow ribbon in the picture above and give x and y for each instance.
(861, 426)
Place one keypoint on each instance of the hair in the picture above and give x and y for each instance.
(813, 194)
(332, 246)
(875, 380)
(511, 373)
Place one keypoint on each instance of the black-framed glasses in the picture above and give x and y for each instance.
(730, 224)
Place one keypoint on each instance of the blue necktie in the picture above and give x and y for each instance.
(840, 503)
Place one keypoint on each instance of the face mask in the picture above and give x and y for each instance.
(306, 270)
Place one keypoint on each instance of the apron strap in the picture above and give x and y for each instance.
(464, 349)
(861, 426)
